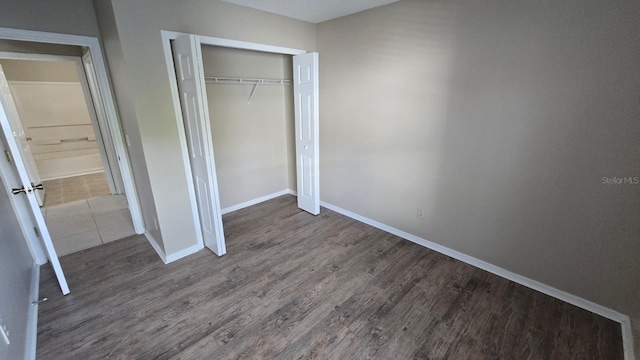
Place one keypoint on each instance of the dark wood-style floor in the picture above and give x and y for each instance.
(296, 286)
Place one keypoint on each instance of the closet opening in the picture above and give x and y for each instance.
(249, 116)
(250, 103)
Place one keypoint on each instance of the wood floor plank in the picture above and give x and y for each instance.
(297, 286)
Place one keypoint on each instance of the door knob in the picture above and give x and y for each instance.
(18, 191)
(37, 187)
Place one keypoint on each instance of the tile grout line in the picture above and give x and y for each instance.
(93, 216)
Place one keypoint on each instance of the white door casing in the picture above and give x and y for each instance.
(21, 137)
(95, 105)
(306, 101)
(195, 113)
(7, 120)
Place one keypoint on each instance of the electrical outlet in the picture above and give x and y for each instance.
(126, 139)
(155, 223)
(420, 213)
(4, 332)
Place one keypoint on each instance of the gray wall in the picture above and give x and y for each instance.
(253, 142)
(61, 16)
(113, 52)
(142, 66)
(500, 119)
(16, 265)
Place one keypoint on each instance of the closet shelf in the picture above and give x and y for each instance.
(228, 80)
(243, 81)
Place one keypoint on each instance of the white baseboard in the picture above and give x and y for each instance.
(254, 201)
(156, 246)
(32, 317)
(625, 322)
(195, 248)
(183, 253)
(171, 257)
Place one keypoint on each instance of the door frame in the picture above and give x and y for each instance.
(167, 36)
(92, 44)
(107, 154)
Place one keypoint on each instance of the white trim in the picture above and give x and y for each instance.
(627, 339)
(214, 41)
(254, 201)
(167, 36)
(87, 70)
(40, 82)
(103, 138)
(184, 253)
(46, 37)
(171, 257)
(105, 89)
(32, 317)
(38, 57)
(522, 280)
(155, 246)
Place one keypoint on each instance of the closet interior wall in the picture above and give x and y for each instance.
(253, 143)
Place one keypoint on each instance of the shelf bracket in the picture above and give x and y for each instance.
(254, 90)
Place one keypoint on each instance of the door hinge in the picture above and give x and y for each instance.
(35, 230)
(8, 155)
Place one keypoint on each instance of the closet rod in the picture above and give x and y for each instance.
(227, 80)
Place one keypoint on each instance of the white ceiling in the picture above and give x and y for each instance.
(314, 11)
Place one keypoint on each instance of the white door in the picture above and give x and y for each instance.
(195, 113)
(306, 101)
(16, 176)
(21, 137)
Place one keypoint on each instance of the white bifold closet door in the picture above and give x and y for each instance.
(190, 75)
(305, 92)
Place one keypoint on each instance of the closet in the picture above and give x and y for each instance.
(250, 125)
(250, 101)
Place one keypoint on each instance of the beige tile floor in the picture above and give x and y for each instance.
(83, 224)
(61, 191)
(81, 213)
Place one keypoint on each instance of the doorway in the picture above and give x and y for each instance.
(79, 198)
(97, 84)
(184, 56)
